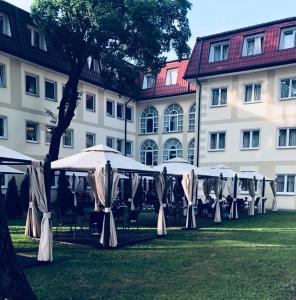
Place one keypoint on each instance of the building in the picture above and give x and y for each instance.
(232, 102)
(246, 82)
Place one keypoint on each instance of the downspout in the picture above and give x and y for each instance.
(125, 125)
(198, 107)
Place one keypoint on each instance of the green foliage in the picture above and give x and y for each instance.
(64, 199)
(12, 199)
(113, 31)
(24, 194)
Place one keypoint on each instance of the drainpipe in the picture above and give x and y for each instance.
(125, 125)
(198, 107)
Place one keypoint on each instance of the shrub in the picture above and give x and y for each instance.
(24, 194)
(64, 200)
(12, 200)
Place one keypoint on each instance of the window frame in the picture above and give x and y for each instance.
(169, 73)
(6, 24)
(72, 139)
(250, 37)
(118, 104)
(37, 141)
(145, 82)
(283, 30)
(168, 150)
(93, 100)
(192, 116)
(219, 99)
(290, 89)
(113, 141)
(113, 108)
(132, 113)
(168, 115)
(285, 193)
(218, 133)
(41, 39)
(149, 110)
(47, 126)
(253, 93)
(94, 139)
(251, 131)
(131, 147)
(211, 58)
(191, 151)
(5, 185)
(5, 123)
(37, 84)
(3, 85)
(287, 138)
(143, 152)
(55, 89)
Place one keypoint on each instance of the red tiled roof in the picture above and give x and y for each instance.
(160, 89)
(271, 55)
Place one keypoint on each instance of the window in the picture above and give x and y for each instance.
(191, 150)
(171, 77)
(90, 139)
(250, 139)
(3, 127)
(252, 92)
(129, 148)
(172, 149)
(110, 108)
(149, 120)
(253, 45)
(48, 134)
(287, 137)
(288, 88)
(54, 182)
(4, 24)
(286, 184)
(129, 113)
(217, 141)
(68, 138)
(119, 144)
(219, 97)
(3, 181)
(90, 102)
(2, 76)
(32, 85)
(32, 132)
(50, 90)
(288, 38)
(148, 81)
(219, 52)
(149, 153)
(93, 64)
(37, 39)
(110, 142)
(191, 125)
(173, 118)
(120, 111)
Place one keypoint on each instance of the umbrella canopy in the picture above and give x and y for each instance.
(251, 174)
(224, 170)
(97, 156)
(9, 170)
(9, 156)
(179, 166)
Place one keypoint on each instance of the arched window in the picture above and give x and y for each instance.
(149, 153)
(171, 149)
(192, 118)
(191, 151)
(173, 118)
(149, 120)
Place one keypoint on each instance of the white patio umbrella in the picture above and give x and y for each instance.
(250, 174)
(179, 166)
(97, 156)
(8, 170)
(224, 170)
(9, 156)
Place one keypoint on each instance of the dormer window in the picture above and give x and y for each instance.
(171, 77)
(148, 81)
(288, 38)
(253, 45)
(37, 39)
(4, 24)
(219, 51)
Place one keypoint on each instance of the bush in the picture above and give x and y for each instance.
(24, 194)
(12, 200)
(64, 200)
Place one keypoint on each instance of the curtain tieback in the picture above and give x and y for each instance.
(47, 215)
(30, 204)
(129, 199)
(107, 209)
(234, 200)
(164, 205)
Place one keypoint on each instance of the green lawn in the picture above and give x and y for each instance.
(253, 258)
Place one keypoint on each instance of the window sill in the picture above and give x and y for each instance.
(51, 100)
(252, 102)
(285, 194)
(110, 116)
(68, 147)
(32, 142)
(286, 147)
(287, 99)
(249, 149)
(216, 150)
(218, 61)
(33, 95)
(90, 110)
(3, 86)
(148, 133)
(168, 132)
(251, 55)
(3, 138)
(217, 106)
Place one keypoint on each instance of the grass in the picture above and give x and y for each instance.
(247, 259)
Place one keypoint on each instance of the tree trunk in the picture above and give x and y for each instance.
(67, 108)
(13, 281)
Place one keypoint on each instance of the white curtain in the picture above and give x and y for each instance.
(38, 191)
(252, 192)
(135, 184)
(218, 186)
(260, 203)
(160, 189)
(74, 188)
(233, 208)
(189, 183)
(32, 222)
(207, 188)
(92, 184)
(273, 185)
(100, 179)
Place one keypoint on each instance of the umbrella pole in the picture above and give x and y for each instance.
(108, 183)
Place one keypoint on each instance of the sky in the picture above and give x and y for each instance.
(214, 16)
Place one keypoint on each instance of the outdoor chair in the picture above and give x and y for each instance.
(64, 220)
(133, 218)
(96, 222)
